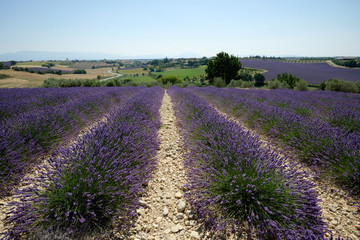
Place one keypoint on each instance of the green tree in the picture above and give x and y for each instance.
(351, 63)
(224, 66)
(247, 77)
(259, 80)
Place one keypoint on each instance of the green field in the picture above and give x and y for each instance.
(139, 79)
(183, 73)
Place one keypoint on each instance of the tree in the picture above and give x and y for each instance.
(224, 66)
(259, 80)
(247, 77)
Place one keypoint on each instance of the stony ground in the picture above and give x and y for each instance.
(164, 213)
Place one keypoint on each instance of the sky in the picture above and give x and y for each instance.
(143, 28)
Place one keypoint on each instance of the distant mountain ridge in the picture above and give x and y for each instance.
(44, 55)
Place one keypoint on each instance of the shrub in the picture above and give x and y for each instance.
(259, 80)
(341, 86)
(235, 83)
(79, 71)
(219, 82)
(247, 84)
(172, 80)
(274, 84)
(288, 80)
(302, 85)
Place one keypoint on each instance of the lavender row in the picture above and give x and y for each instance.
(233, 182)
(338, 109)
(27, 136)
(332, 151)
(17, 101)
(94, 185)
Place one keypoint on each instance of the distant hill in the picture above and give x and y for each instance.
(43, 55)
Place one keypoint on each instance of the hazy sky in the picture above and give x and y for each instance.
(171, 28)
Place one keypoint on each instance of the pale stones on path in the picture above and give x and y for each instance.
(194, 235)
(181, 206)
(158, 219)
(174, 229)
(178, 195)
(165, 211)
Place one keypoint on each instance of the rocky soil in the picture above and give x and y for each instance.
(164, 212)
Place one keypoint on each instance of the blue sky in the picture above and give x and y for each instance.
(174, 28)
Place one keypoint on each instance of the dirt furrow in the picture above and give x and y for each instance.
(164, 213)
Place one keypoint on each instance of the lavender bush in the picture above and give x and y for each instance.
(332, 151)
(52, 118)
(234, 181)
(94, 185)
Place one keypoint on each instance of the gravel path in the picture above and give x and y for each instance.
(164, 213)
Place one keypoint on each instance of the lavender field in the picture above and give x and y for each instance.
(314, 73)
(96, 149)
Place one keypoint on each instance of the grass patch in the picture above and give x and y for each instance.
(183, 73)
(133, 71)
(139, 79)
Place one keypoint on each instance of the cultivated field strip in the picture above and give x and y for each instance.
(339, 210)
(237, 186)
(109, 165)
(52, 118)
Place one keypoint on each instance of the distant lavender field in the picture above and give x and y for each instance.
(311, 72)
(49, 69)
(129, 68)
